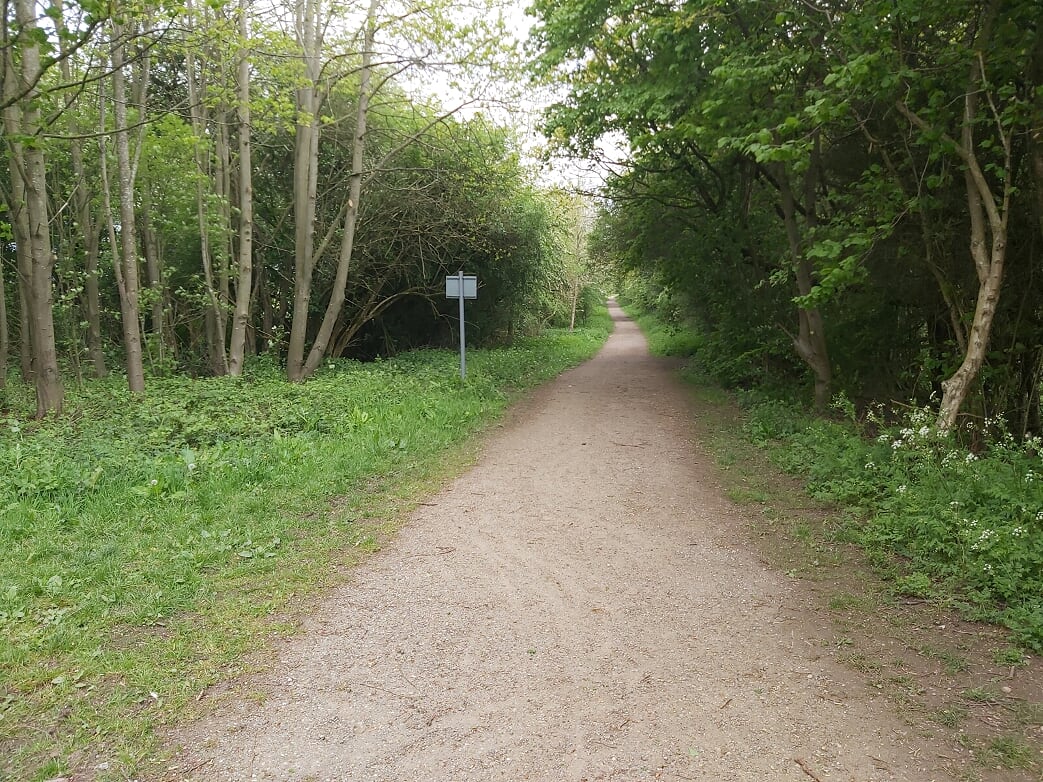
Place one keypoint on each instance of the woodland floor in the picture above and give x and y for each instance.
(587, 603)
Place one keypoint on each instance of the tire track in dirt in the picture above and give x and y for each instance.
(578, 606)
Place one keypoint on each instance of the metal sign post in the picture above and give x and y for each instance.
(462, 286)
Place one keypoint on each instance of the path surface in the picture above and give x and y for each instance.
(578, 606)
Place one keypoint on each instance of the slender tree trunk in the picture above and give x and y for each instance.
(19, 222)
(305, 182)
(25, 339)
(215, 318)
(223, 173)
(575, 301)
(988, 248)
(92, 246)
(1037, 168)
(5, 345)
(129, 309)
(267, 312)
(32, 170)
(241, 318)
(956, 388)
(358, 148)
(153, 275)
(810, 342)
(85, 218)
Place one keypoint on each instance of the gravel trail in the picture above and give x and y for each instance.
(578, 606)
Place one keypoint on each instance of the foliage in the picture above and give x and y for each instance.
(783, 159)
(966, 526)
(730, 357)
(142, 539)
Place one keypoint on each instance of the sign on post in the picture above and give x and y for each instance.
(470, 285)
(461, 286)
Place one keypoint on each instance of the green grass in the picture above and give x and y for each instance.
(145, 544)
(665, 339)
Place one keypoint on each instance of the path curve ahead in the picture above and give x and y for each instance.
(578, 606)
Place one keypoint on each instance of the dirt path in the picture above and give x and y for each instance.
(578, 606)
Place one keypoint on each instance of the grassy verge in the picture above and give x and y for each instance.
(665, 339)
(146, 544)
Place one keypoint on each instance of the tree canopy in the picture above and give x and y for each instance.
(851, 191)
(191, 185)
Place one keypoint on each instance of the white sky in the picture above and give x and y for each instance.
(516, 105)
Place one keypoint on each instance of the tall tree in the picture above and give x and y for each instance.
(243, 293)
(27, 199)
(126, 172)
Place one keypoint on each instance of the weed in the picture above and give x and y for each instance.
(1006, 752)
(1028, 713)
(954, 663)
(980, 695)
(1009, 656)
(845, 601)
(859, 662)
(747, 495)
(950, 716)
(913, 585)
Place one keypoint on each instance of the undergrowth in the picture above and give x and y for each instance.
(144, 540)
(967, 528)
(940, 521)
(666, 339)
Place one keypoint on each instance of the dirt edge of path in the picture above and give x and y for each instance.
(947, 677)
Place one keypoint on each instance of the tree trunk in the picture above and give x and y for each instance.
(215, 315)
(30, 167)
(241, 318)
(92, 246)
(988, 247)
(956, 388)
(25, 340)
(575, 301)
(85, 218)
(223, 171)
(128, 240)
(153, 269)
(19, 222)
(358, 148)
(810, 342)
(267, 313)
(305, 182)
(1037, 168)
(5, 337)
